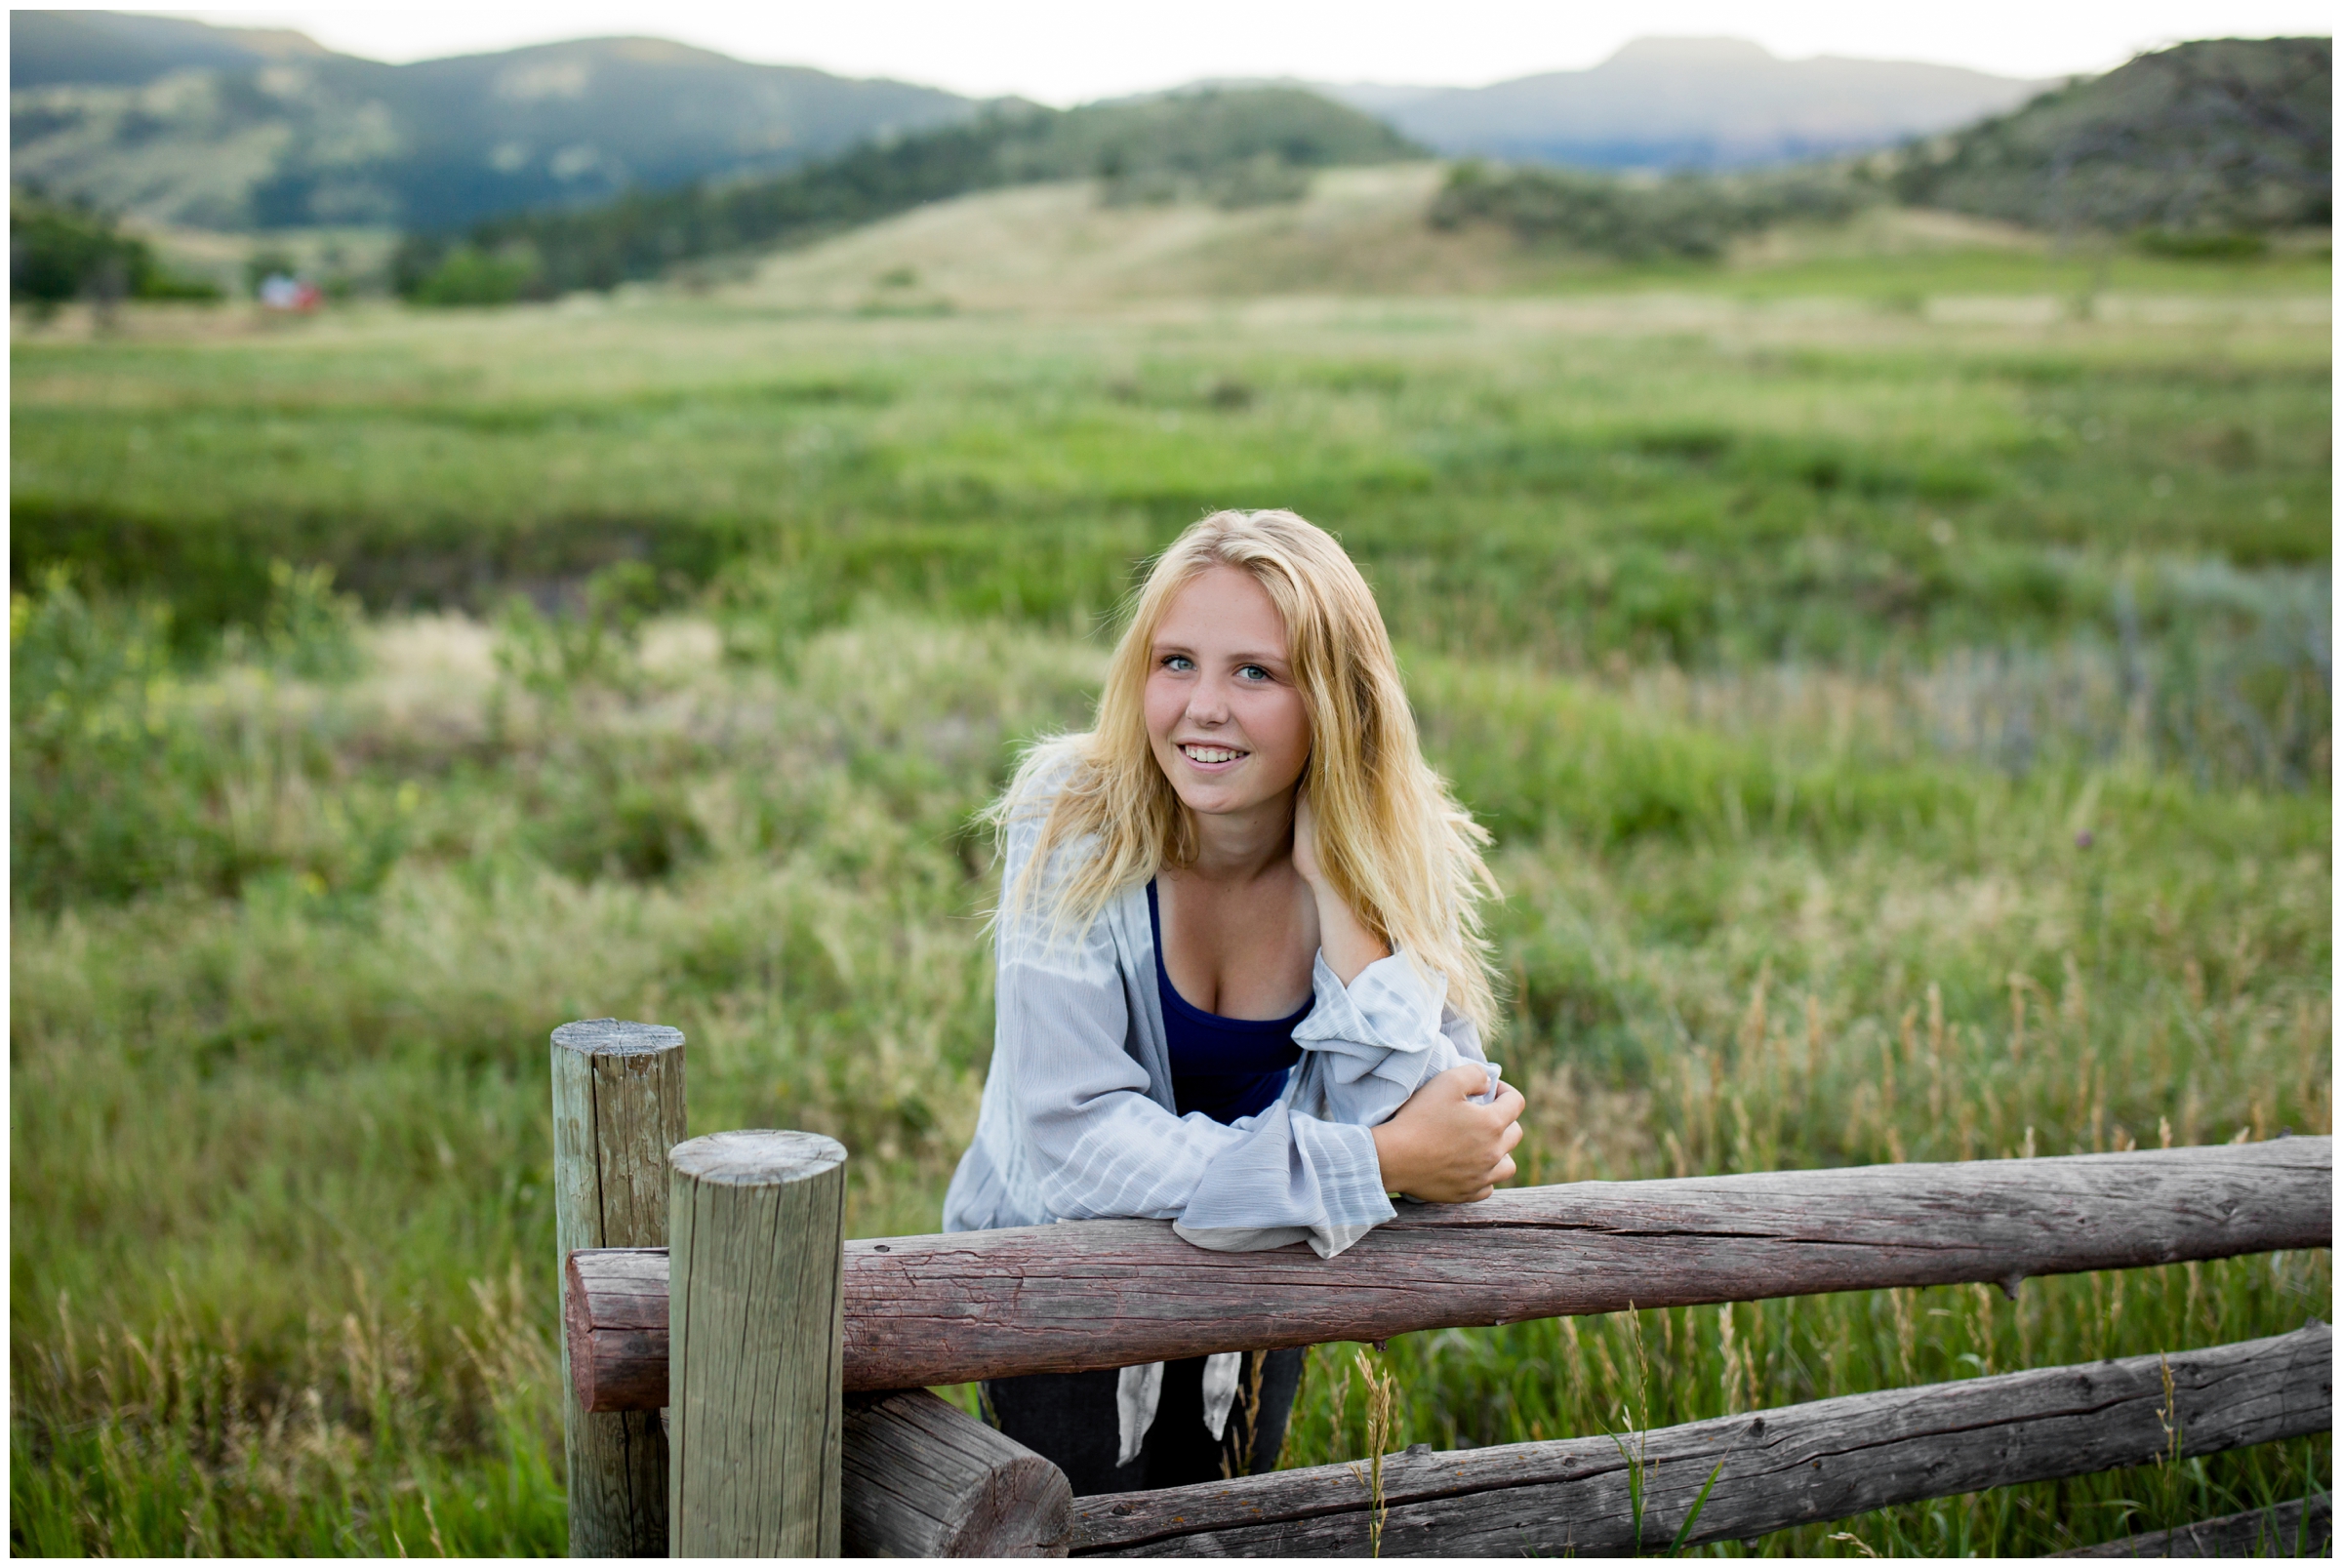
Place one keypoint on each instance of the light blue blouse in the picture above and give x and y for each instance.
(1077, 1122)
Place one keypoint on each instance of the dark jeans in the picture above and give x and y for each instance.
(1068, 1419)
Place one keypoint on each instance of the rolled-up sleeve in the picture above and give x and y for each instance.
(1373, 1042)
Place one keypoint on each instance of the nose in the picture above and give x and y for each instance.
(1208, 704)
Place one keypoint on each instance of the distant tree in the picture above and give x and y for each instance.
(62, 250)
(467, 275)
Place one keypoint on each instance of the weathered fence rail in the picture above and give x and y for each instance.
(923, 1311)
(751, 1340)
(2301, 1528)
(1781, 1468)
(924, 1480)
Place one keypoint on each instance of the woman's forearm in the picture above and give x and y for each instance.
(1445, 1147)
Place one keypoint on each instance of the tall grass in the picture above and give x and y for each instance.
(292, 1152)
(1883, 768)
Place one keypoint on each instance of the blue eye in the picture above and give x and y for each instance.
(1253, 673)
(1178, 661)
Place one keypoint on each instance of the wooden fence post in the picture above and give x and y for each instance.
(757, 1358)
(618, 1109)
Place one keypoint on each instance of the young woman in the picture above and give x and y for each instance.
(1241, 982)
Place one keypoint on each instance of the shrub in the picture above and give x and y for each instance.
(2210, 245)
(1687, 217)
(59, 250)
(1261, 180)
(120, 784)
(470, 276)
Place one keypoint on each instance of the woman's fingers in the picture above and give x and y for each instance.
(1510, 1137)
(1460, 1082)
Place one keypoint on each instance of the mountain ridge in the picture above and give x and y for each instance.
(112, 48)
(223, 135)
(1691, 115)
(177, 122)
(1695, 102)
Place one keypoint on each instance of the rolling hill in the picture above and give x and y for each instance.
(2220, 136)
(591, 162)
(1055, 246)
(1359, 232)
(108, 48)
(173, 122)
(2150, 144)
(1235, 148)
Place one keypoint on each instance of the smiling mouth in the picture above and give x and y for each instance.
(1210, 753)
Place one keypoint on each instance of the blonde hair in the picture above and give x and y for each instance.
(1392, 841)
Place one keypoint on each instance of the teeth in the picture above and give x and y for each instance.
(1211, 754)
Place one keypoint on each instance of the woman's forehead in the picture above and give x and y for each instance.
(1223, 605)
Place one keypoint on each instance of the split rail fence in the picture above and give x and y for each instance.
(741, 1380)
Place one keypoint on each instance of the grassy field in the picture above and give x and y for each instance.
(1904, 709)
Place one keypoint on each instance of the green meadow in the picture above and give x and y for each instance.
(1900, 689)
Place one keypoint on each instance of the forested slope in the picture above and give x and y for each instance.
(1236, 147)
(2223, 135)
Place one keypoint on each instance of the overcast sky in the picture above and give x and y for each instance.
(1066, 53)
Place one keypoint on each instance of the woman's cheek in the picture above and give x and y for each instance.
(1285, 725)
(1163, 709)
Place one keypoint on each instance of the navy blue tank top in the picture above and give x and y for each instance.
(1226, 1067)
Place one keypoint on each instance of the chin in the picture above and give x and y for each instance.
(1209, 803)
(1217, 803)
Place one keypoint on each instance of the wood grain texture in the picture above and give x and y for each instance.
(2295, 1529)
(923, 1480)
(917, 1478)
(613, 1325)
(926, 1310)
(1775, 1468)
(618, 1107)
(755, 1318)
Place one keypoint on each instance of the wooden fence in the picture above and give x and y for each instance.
(792, 1365)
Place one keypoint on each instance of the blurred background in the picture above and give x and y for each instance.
(511, 526)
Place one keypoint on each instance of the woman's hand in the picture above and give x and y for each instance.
(1443, 1148)
(1346, 940)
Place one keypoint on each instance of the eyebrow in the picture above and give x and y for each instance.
(1237, 658)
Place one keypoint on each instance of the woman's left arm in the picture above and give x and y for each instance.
(1381, 1028)
(1342, 938)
